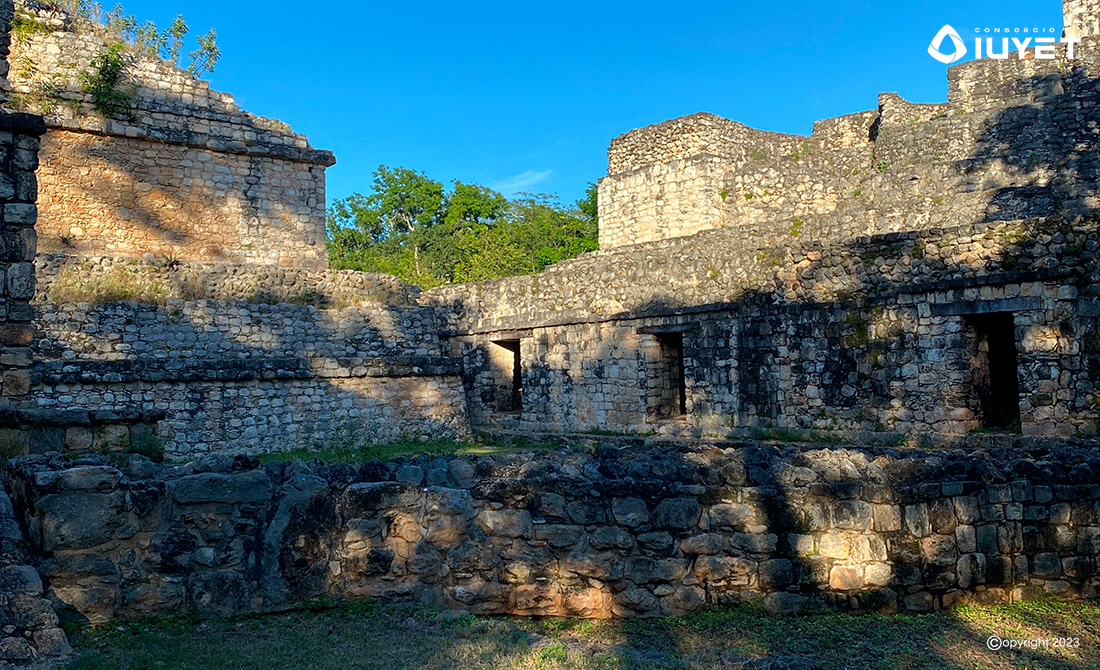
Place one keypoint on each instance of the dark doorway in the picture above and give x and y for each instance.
(508, 375)
(670, 384)
(996, 378)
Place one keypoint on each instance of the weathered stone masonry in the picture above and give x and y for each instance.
(229, 376)
(188, 175)
(918, 269)
(910, 273)
(30, 625)
(631, 531)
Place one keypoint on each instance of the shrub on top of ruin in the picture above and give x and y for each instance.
(104, 83)
(168, 44)
(119, 284)
(145, 38)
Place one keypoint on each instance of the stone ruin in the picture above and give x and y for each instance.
(186, 174)
(912, 290)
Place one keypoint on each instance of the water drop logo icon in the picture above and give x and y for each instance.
(937, 42)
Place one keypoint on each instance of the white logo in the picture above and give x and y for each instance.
(1037, 43)
(937, 42)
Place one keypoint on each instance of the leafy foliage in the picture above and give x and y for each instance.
(103, 82)
(411, 227)
(147, 39)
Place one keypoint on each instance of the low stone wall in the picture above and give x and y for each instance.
(276, 405)
(198, 330)
(41, 431)
(581, 532)
(30, 631)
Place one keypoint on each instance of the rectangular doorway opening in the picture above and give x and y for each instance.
(670, 385)
(995, 369)
(507, 371)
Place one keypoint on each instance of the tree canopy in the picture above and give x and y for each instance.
(410, 226)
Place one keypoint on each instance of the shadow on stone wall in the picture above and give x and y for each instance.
(180, 189)
(302, 378)
(596, 532)
(623, 532)
(1051, 143)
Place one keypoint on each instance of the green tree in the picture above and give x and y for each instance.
(394, 218)
(473, 204)
(470, 234)
(589, 204)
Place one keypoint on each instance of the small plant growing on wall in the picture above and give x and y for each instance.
(24, 28)
(104, 81)
(117, 27)
(167, 44)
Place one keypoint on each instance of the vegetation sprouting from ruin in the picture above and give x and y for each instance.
(410, 226)
(103, 82)
(119, 28)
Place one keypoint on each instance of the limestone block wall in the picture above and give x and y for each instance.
(19, 142)
(197, 280)
(666, 180)
(273, 407)
(873, 335)
(1081, 18)
(19, 145)
(669, 199)
(1009, 144)
(601, 532)
(235, 376)
(185, 173)
(30, 630)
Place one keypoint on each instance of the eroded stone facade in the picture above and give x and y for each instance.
(611, 531)
(889, 274)
(184, 173)
(230, 376)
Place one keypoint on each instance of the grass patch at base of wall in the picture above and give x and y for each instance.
(119, 284)
(343, 452)
(406, 636)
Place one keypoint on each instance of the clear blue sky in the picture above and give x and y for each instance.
(518, 95)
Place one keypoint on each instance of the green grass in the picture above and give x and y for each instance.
(402, 636)
(116, 285)
(346, 451)
(776, 435)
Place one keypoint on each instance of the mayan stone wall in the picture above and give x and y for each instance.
(1007, 145)
(233, 376)
(873, 335)
(186, 174)
(30, 630)
(197, 280)
(1081, 17)
(634, 531)
(19, 145)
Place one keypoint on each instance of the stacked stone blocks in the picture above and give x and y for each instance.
(609, 532)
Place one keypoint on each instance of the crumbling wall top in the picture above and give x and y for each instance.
(692, 135)
(167, 103)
